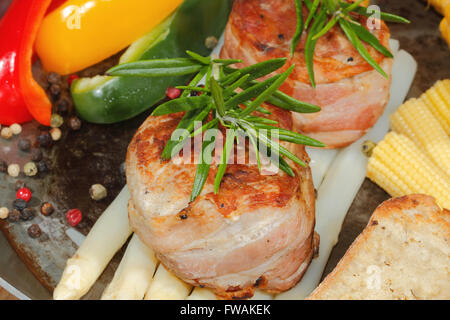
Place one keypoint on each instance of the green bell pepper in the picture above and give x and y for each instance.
(105, 99)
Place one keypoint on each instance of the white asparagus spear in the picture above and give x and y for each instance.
(166, 286)
(134, 275)
(106, 237)
(335, 197)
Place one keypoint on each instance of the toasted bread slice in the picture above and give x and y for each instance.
(403, 253)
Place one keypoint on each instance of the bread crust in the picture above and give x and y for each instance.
(417, 214)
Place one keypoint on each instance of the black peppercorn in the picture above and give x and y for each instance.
(36, 155)
(27, 214)
(3, 166)
(63, 105)
(55, 90)
(47, 209)
(14, 215)
(34, 231)
(19, 184)
(19, 204)
(74, 123)
(24, 144)
(42, 166)
(53, 78)
(45, 139)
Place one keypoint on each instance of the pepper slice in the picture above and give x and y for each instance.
(105, 99)
(21, 97)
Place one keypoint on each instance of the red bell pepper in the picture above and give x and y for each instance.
(21, 97)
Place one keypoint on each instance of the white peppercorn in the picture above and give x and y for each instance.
(55, 133)
(16, 128)
(13, 170)
(30, 169)
(4, 212)
(6, 133)
(98, 192)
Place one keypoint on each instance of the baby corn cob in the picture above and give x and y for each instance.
(437, 99)
(415, 120)
(400, 167)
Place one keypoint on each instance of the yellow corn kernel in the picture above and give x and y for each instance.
(437, 99)
(398, 166)
(416, 121)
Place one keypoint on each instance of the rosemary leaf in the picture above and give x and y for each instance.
(156, 68)
(202, 172)
(300, 26)
(199, 58)
(182, 104)
(217, 94)
(351, 35)
(368, 37)
(228, 147)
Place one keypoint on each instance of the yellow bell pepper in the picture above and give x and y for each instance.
(81, 33)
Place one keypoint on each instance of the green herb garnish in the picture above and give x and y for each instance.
(226, 106)
(324, 15)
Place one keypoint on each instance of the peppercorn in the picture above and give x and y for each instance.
(47, 209)
(6, 133)
(14, 215)
(42, 166)
(98, 192)
(30, 169)
(56, 121)
(44, 139)
(53, 78)
(27, 214)
(19, 184)
(36, 155)
(3, 166)
(55, 90)
(74, 217)
(16, 128)
(211, 42)
(63, 105)
(74, 123)
(367, 148)
(34, 231)
(24, 194)
(4, 212)
(24, 144)
(13, 170)
(71, 78)
(19, 204)
(173, 93)
(56, 134)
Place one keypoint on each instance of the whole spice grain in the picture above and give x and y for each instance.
(56, 134)
(211, 42)
(30, 169)
(4, 212)
(42, 166)
(16, 128)
(44, 139)
(27, 214)
(6, 133)
(56, 121)
(34, 231)
(24, 144)
(54, 78)
(24, 194)
(19, 204)
(14, 170)
(55, 91)
(98, 192)
(47, 209)
(63, 105)
(74, 123)
(36, 155)
(14, 215)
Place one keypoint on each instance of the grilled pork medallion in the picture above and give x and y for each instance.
(350, 92)
(257, 232)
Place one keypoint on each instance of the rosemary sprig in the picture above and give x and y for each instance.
(324, 15)
(220, 103)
